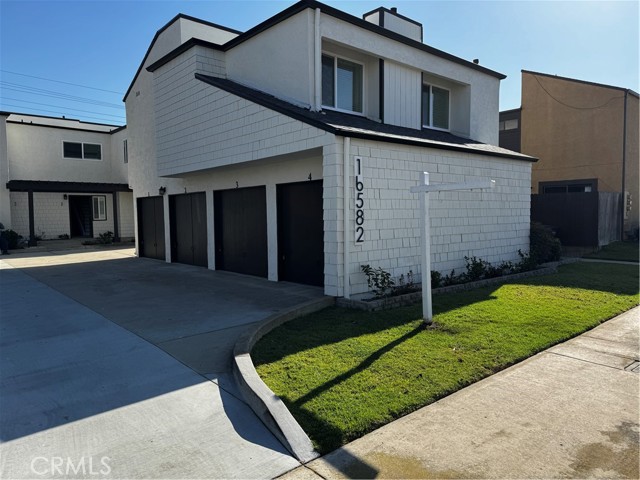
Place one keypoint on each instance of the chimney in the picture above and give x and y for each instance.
(390, 19)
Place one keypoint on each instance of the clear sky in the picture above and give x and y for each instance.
(100, 44)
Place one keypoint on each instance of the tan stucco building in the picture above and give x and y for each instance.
(584, 134)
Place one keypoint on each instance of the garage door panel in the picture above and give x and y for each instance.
(151, 228)
(241, 230)
(301, 233)
(188, 217)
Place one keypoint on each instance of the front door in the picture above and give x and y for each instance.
(80, 216)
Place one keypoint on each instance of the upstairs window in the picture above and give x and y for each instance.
(435, 107)
(87, 151)
(342, 84)
(126, 151)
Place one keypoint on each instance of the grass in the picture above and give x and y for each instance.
(622, 251)
(343, 373)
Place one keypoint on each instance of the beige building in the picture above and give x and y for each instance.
(585, 136)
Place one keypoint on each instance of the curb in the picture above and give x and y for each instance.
(266, 404)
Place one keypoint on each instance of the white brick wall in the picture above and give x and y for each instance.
(51, 215)
(491, 225)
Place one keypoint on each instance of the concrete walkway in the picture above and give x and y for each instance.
(569, 412)
(118, 367)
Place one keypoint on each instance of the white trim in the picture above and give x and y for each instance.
(430, 85)
(335, 83)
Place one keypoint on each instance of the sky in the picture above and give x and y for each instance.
(77, 58)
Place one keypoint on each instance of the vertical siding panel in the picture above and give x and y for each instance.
(402, 95)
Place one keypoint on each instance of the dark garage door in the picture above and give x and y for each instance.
(188, 215)
(301, 233)
(241, 230)
(151, 227)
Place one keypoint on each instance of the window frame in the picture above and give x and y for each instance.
(448, 90)
(566, 184)
(335, 58)
(83, 157)
(101, 199)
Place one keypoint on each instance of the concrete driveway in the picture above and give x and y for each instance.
(119, 367)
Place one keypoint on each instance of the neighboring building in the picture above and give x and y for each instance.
(244, 147)
(585, 136)
(63, 177)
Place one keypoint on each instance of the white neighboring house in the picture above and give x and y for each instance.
(244, 146)
(62, 176)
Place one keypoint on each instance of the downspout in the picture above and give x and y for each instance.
(317, 62)
(346, 292)
(624, 164)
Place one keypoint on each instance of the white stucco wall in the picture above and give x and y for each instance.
(35, 153)
(483, 88)
(491, 225)
(279, 60)
(5, 201)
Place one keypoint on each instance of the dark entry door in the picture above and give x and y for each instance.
(188, 214)
(80, 216)
(151, 227)
(301, 233)
(241, 230)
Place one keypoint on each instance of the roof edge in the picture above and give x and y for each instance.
(176, 52)
(359, 22)
(223, 84)
(159, 32)
(586, 82)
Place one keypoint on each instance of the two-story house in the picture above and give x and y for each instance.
(63, 177)
(585, 134)
(288, 151)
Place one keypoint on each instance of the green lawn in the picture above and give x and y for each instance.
(623, 251)
(343, 373)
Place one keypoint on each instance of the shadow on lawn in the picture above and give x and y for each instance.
(339, 324)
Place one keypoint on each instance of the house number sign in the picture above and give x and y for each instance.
(359, 191)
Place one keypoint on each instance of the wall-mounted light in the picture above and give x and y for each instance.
(162, 190)
(64, 197)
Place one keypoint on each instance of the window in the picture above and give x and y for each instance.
(508, 124)
(569, 186)
(342, 84)
(126, 151)
(99, 207)
(435, 107)
(87, 151)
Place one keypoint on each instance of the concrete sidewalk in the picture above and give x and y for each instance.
(569, 412)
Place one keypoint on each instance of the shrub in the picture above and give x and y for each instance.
(105, 238)
(13, 239)
(544, 245)
(379, 280)
(436, 279)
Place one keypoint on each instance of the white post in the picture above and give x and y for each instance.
(427, 309)
(424, 189)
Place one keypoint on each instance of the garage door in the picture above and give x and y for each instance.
(188, 216)
(300, 233)
(241, 230)
(151, 227)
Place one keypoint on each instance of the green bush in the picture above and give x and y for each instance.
(544, 245)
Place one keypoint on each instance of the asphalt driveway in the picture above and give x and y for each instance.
(114, 366)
